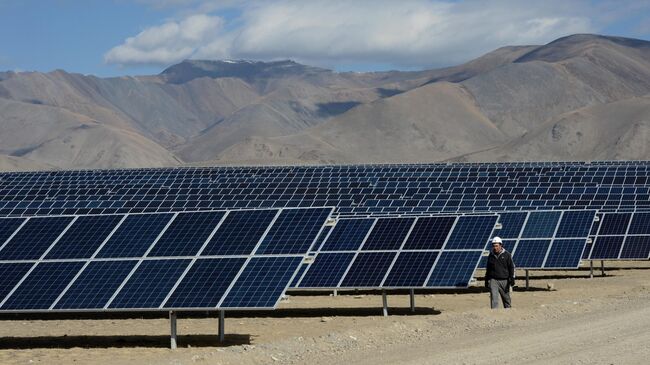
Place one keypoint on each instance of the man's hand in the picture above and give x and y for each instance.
(511, 282)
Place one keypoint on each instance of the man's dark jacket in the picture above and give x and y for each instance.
(500, 267)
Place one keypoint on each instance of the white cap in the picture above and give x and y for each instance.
(497, 239)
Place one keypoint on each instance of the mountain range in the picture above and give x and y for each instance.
(581, 97)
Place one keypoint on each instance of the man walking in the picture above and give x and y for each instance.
(499, 274)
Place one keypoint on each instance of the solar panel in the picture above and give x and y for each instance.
(393, 189)
(95, 277)
(405, 252)
(95, 285)
(34, 238)
(205, 283)
(388, 234)
(42, 285)
(541, 243)
(454, 269)
(83, 238)
(262, 282)
(294, 231)
(368, 269)
(622, 236)
(186, 234)
(348, 235)
(240, 233)
(135, 235)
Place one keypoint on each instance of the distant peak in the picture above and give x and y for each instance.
(243, 69)
(576, 44)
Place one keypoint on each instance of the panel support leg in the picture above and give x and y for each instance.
(412, 296)
(602, 267)
(172, 322)
(384, 299)
(336, 292)
(222, 326)
(527, 280)
(591, 269)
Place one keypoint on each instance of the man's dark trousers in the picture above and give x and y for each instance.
(499, 288)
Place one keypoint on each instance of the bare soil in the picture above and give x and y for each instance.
(604, 320)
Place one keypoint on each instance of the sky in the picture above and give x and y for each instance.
(135, 37)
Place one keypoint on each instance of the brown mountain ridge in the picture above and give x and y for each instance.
(580, 97)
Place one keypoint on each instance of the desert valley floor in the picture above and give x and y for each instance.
(604, 320)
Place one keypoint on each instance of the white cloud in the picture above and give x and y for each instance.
(167, 43)
(410, 33)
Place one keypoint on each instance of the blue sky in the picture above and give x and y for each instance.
(117, 37)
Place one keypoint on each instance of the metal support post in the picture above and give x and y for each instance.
(385, 302)
(222, 326)
(602, 267)
(591, 269)
(336, 292)
(527, 280)
(172, 321)
(412, 295)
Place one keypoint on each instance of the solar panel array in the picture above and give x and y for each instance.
(623, 236)
(236, 259)
(353, 190)
(545, 239)
(401, 252)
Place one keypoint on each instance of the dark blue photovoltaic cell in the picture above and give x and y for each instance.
(388, 234)
(294, 231)
(541, 225)
(636, 247)
(10, 275)
(36, 236)
(321, 238)
(296, 279)
(576, 224)
(607, 247)
(96, 285)
(150, 284)
(411, 269)
(205, 283)
(530, 253)
(327, 270)
(454, 269)
(84, 237)
(429, 233)
(262, 282)
(43, 285)
(565, 253)
(640, 223)
(471, 232)
(187, 234)
(8, 227)
(511, 223)
(348, 235)
(135, 235)
(368, 270)
(239, 233)
(614, 223)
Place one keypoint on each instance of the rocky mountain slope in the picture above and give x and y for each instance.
(579, 97)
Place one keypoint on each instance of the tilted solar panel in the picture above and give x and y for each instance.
(546, 239)
(407, 252)
(204, 271)
(622, 236)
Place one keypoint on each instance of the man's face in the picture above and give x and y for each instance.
(496, 247)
